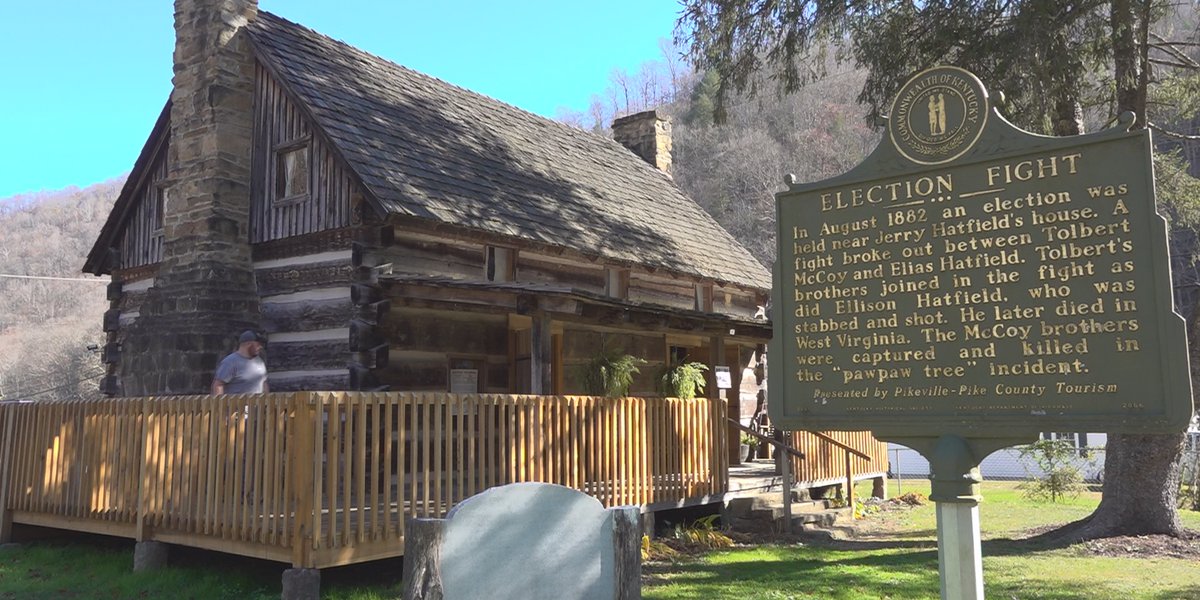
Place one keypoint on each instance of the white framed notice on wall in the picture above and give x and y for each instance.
(724, 378)
(464, 381)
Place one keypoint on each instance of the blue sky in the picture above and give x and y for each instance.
(82, 81)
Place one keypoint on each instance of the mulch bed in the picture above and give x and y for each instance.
(1187, 546)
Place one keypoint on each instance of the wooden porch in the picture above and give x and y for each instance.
(321, 479)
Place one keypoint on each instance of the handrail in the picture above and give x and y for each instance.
(785, 467)
(778, 444)
(843, 446)
(849, 469)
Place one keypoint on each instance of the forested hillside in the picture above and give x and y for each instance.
(46, 325)
(733, 169)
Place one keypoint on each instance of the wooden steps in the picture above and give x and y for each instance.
(811, 518)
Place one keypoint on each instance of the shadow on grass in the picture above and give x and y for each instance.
(50, 563)
(850, 570)
(928, 539)
(1192, 592)
(825, 572)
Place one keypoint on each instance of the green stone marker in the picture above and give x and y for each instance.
(978, 279)
(970, 285)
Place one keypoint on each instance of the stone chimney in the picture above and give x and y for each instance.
(204, 294)
(648, 135)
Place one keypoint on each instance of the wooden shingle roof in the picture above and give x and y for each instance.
(427, 149)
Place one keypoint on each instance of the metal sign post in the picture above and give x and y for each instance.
(954, 467)
(960, 560)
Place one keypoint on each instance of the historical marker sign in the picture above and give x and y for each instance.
(969, 276)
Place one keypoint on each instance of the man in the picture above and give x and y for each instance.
(243, 371)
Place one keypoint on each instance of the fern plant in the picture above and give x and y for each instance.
(610, 374)
(682, 380)
(703, 533)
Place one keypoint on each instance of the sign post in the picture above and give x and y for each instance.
(970, 285)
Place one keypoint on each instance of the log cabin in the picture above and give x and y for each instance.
(388, 230)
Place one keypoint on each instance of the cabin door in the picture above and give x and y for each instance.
(535, 355)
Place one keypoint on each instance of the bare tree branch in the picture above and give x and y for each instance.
(1171, 63)
(1169, 43)
(1174, 52)
(1174, 134)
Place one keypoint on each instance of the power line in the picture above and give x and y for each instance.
(59, 387)
(91, 279)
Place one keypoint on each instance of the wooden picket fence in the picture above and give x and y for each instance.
(320, 479)
(827, 463)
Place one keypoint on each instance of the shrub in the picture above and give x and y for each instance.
(1060, 477)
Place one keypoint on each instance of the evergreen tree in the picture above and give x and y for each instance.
(703, 103)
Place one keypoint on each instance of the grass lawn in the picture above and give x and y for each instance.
(78, 567)
(898, 560)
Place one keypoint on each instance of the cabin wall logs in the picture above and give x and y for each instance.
(279, 124)
(419, 254)
(305, 287)
(306, 311)
(142, 240)
(426, 344)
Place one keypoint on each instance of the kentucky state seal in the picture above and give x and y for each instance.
(938, 115)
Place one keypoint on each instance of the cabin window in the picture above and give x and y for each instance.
(617, 284)
(704, 297)
(499, 264)
(292, 172)
(156, 219)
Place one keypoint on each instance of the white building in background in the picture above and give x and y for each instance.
(1008, 463)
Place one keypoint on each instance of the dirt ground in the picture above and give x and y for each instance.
(882, 530)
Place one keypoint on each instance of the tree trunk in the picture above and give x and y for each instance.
(1141, 472)
(1141, 487)
(1068, 112)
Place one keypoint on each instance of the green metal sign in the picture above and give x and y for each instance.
(972, 277)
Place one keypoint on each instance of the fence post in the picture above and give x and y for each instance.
(301, 457)
(6, 469)
(723, 440)
(142, 420)
(849, 483)
(718, 409)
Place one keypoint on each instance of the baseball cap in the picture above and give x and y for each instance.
(250, 335)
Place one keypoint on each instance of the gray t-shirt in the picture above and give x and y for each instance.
(242, 375)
